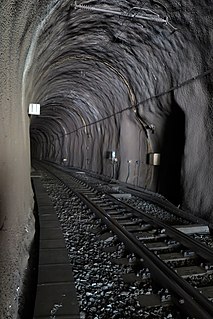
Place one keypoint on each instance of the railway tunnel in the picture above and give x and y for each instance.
(125, 89)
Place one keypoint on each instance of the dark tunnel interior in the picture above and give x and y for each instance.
(124, 85)
(172, 156)
(125, 90)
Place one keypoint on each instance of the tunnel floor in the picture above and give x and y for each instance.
(56, 293)
(84, 270)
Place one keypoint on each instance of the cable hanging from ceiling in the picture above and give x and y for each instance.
(194, 78)
(147, 15)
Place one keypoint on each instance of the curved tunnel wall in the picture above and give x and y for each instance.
(145, 86)
(137, 82)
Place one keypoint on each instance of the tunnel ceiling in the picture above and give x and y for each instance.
(121, 83)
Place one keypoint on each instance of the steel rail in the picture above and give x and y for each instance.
(198, 247)
(201, 249)
(175, 283)
(146, 195)
(185, 296)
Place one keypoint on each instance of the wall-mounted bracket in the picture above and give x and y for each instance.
(146, 16)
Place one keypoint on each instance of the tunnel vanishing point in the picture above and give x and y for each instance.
(126, 91)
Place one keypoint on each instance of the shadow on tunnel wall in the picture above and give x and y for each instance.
(172, 156)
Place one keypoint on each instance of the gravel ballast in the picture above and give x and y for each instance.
(101, 289)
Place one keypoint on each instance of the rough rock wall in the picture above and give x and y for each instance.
(90, 65)
(16, 200)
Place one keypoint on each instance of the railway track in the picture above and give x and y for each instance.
(175, 259)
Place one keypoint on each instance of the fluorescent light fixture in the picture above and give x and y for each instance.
(34, 109)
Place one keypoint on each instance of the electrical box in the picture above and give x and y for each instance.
(153, 159)
(34, 109)
(111, 155)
